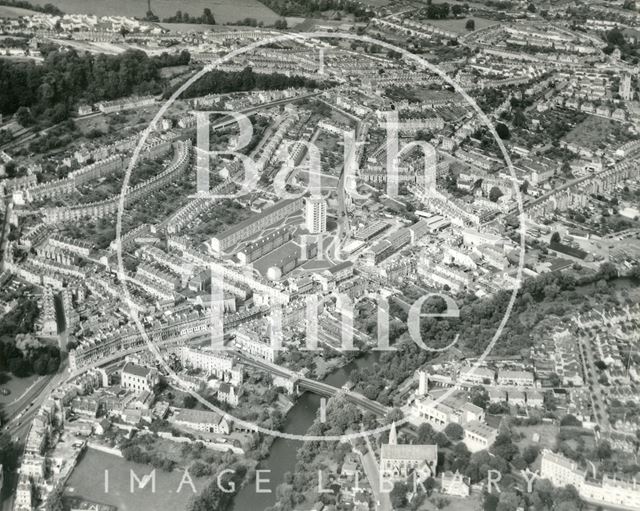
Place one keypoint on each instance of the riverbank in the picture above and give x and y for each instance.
(282, 456)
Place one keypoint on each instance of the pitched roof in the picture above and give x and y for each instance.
(136, 370)
(410, 452)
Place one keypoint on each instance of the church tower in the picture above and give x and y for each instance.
(423, 383)
(393, 434)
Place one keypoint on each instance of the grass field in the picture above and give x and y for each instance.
(224, 11)
(592, 132)
(14, 12)
(458, 25)
(16, 386)
(88, 481)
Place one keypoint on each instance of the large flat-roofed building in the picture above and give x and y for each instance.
(479, 436)
(477, 375)
(284, 259)
(256, 249)
(384, 248)
(368, 232)
(516, 378)
(315, 215)
(453, 409)
(254, 225)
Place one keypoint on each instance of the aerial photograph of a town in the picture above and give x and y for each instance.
(319, 255)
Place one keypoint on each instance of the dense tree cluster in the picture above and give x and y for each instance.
(239, 81)
(136, 450)
(46, 8)
(628, 50)
(544, 497)
(219, 494)
(184, 17)
(38, 360)
(549, 294)
(308, 8)
(437, 11)
(21, 319)
(50, 90)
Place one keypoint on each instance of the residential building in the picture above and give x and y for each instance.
(24, 491)
(625, 90)
(455, 485)
(254, 225)
(212, 363)
(516, 378)
(608, 491)
(315, 216)
(477, 375)
(229, 394)
(201, 420)
(254, 344)
(138, 378)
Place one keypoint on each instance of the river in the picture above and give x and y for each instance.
(282, 456)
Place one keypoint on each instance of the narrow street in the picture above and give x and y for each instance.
(590, 372)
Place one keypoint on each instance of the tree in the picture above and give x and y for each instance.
(608, 271)
(494, 194)
(508, 501)
(398, 495)
(570, 420)
(604, 451)
(615, 37)
(504, 447)
(11, 169)
(23, 116)
(531, 8)
(530, 453)
(189, 401)
(471, 24)
(519, 119)
(454, 431)
(426, 434)
(555, 380)
(207, 17)
(441, 440)
(555, 237)
(480, 397)
(280, 24)
(503, 131)
(600, 364)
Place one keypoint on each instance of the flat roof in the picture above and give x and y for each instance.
(246, 223)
